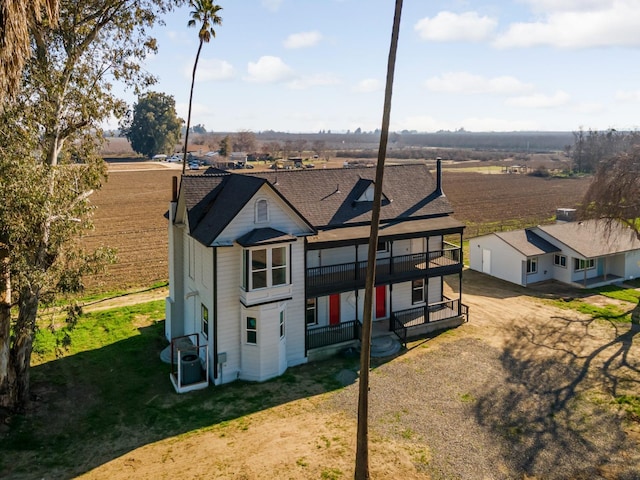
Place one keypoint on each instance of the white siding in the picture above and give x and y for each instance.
(506, 262)
(632, 265)
(281, 217)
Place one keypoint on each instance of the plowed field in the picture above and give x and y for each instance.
(131, 207)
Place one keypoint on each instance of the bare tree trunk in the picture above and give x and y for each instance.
(7, 378)
(22, 347)
(362, 442)
(186, 134)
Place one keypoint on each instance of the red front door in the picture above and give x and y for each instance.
(334, 309)
(381, 301)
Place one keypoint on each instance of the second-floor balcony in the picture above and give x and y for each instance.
(345, 276)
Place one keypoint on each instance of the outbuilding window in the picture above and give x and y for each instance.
(560, 260)
(579, 264)
(532, 265)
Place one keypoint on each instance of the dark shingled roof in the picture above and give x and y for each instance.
(327, 197)
(527, 242)
(322, 197)
(264, 236)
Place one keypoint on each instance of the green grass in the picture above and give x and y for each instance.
(110, 393)
(608, 312)
(619, 293)
(631, 404)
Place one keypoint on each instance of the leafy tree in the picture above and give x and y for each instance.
(153, 126)
(16, 16)
(205, 14)
(199, 129)
(50, 162)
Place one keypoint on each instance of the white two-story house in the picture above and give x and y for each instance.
(267, 269)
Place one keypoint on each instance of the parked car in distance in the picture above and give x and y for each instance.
(194, 166)
(174, 158)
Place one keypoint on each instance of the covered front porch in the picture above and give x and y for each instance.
(404, 324)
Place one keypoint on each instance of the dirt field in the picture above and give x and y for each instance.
(131, 206)
(524, 390)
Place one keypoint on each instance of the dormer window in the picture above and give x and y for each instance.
(262, 211)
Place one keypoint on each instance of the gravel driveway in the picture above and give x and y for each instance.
(525, 390)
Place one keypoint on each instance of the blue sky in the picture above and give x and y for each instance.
(310, 65)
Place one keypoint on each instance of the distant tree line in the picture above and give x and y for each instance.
(592, 147)
(429, 153)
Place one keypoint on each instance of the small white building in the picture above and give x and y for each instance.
(583, 254)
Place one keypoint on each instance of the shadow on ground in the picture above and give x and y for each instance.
(557, 410)
(95, 406)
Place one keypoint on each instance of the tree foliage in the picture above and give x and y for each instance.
(16, 17)
(153, 126)
(244, 141)
(50, 163)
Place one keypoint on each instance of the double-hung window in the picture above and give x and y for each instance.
(532, 265)
(265, 267)
(252, 330)
(417, 291)
(312, 311)
(204, 314)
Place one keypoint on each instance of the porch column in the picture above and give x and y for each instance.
(460, 293)
(390, 307)
(391, 261)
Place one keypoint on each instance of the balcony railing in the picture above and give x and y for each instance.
(403, 267)
(332, 334)
(402, 321)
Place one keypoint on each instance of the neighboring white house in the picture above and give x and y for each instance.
(267, 270)
(584, 254)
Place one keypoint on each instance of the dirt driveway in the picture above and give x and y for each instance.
(524, 390)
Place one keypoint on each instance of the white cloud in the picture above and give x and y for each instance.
(211, 70)
(318, 80)
(368, 85)
(628, 95)
(539, 100)
(269, 69)
(302, 40)
(197, 110)
(568, 5)
(272, 5)
(468, 83)
(604, 24)
(449, 27)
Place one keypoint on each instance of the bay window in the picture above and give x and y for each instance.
(265, 267)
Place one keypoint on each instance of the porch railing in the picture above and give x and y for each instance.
(354, 273)
(433, 312)
(332, 334)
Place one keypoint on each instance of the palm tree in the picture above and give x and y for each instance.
(362, 440)
(204, 14)
(17, 18)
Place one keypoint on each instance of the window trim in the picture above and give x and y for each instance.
(587, 264)
(532, 265)
(560, 260)
(414, 289)
(382, 250)
(270, 268)
(249, 330)
(282, 325)
(313, 309)
(258, 218)
(204, 320)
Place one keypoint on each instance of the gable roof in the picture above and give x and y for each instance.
(527, 242)
(592, 238)
(328, 197)
(213, 201)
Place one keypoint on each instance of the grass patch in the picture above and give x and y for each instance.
(631, 404)
(110, 393)
(619, 293)
(609, 312)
